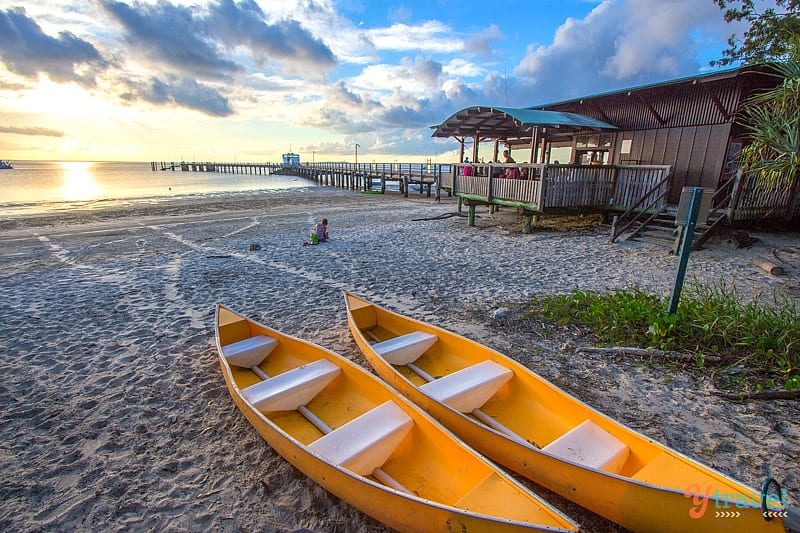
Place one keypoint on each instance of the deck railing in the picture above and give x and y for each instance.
(525, 191)
(636, 182)
(609, 187)
(579, 186)
(641, 212)
(757, 196)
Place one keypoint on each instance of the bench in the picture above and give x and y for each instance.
(590, 445)
(405, 348)
(469, 388)
(292, 389)
(249, 352)
(366, 442)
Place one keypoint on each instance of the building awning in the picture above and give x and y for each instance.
(512, 123)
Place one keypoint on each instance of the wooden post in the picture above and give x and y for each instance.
(528, 223)
(471, 214)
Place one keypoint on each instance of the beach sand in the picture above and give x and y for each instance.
(115, 415)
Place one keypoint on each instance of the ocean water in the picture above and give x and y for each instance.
(44, 186)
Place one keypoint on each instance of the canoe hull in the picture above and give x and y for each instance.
(397, 512)
(395, 509)
(635, 505)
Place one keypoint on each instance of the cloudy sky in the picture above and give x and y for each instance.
(246, 80)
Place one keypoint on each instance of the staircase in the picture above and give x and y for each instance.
(661, 229)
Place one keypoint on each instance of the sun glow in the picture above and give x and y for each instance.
(79, 183)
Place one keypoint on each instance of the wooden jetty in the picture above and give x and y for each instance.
(374, 177)
(226, 168)
(371, 177)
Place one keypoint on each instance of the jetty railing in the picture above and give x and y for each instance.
(376, 176)
(225, 168)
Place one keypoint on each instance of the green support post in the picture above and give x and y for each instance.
(686, 248)
(471, 215)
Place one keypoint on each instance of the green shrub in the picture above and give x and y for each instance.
(761, 337)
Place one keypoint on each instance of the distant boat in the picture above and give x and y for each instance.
(5, 165)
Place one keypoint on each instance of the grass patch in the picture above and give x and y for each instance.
(761, 341)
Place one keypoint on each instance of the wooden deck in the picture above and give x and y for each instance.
(555, 189)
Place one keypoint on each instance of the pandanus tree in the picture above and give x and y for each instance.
(771, 119)
(772, 122)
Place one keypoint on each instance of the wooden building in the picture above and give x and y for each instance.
(687, 126)
(688, 123)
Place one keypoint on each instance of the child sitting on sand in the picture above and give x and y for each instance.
(319, 233)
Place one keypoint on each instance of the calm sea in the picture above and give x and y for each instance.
(43, 186)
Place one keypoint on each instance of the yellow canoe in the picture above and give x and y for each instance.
(362, 441)
(528, 425)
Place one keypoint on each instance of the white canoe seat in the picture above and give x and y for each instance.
(470, 387)
(405, 348)
(290, 390)
(366, 442)
(249, 352)
(590, 445)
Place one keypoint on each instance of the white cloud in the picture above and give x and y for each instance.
(620, 43)
(429, 36)
(461, 68)
(418, 76)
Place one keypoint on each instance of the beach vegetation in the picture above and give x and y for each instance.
(772, 122)
(757, 341)
(773, 34)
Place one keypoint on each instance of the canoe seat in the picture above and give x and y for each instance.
(366, 442)
(470, 387)
(249, 352)
(590, 445)
(405, 348)
(290, 390)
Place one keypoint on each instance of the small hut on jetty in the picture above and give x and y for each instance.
(627, 153)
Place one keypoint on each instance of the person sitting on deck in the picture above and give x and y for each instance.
(512, 173)
(467, 169)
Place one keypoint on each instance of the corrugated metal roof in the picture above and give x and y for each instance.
(509, 123)
(704, 77)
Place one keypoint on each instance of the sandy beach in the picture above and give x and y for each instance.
(115, 415)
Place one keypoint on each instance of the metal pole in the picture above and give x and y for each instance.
(686, 248)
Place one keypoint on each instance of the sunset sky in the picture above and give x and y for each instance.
(228, 80)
